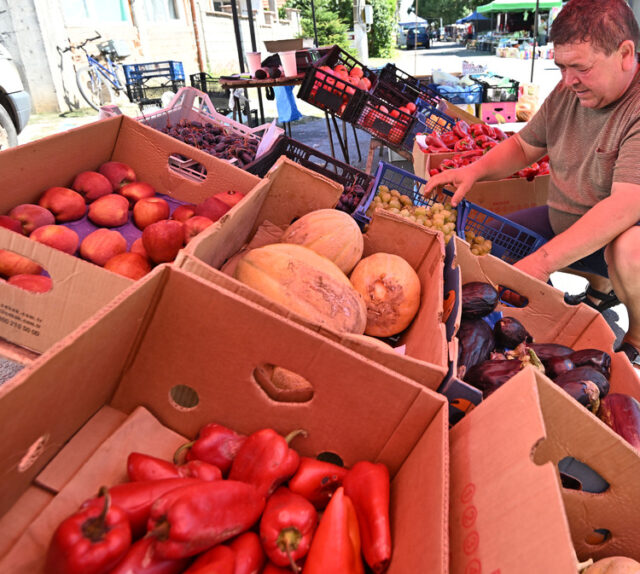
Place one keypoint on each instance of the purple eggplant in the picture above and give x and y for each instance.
(621, 413)
(585, 392)
(593, 358)
(581, 374)
(478, 299)
(476, 344)
(491, 375)
(547, 350)
(509, 333)
(556, 366)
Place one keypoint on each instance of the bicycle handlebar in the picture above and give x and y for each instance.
(82, 44)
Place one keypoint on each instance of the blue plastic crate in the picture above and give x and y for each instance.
(459, 94)
(428, 119)
(136, 74)
(509, 241)
(406, 183)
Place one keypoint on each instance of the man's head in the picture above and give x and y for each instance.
(595, 48)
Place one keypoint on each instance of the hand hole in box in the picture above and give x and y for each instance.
(598, 537)
(576, 475)
(24, 273)
(512, 298)
(188, 168)
(33, 453)
(282, 385)
(183, 398)
(332, 457)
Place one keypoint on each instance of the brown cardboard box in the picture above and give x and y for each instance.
(509, 510)
(174, 352)
(80, 287)
(290, 191)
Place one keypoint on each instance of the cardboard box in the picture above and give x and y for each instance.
(509, 510)
(289, 191)
(79, 287)
(159, 380)
(286, 45)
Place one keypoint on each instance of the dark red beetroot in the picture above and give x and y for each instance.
(476, 343)
(509, 333)
(622, 414)
(593, 358)
(478, 299)
(585, 374)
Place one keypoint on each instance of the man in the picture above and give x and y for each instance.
(590, 128)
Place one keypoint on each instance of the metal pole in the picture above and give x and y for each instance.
(535, 39)
(238, 33)
(315, 29)
(252, 31)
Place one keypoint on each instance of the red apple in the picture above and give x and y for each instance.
(136, 191)
(32, 216)
(33, 283)
(91, 185)
(230, 198)
(102, 244)
(11, 224)
(213, 208)
(13, 264)
(64, 203)
(149, 210)
(132, 265)
(118, 173)
(58, 237)
(162, 240)
(184, 212)
(109, 210)
(138, 247)
(195, 225)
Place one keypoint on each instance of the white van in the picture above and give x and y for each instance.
(15, 102)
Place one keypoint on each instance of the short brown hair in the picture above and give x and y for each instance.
(603, 23)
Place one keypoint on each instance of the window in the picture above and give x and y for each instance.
(161, 10)
(79, 11)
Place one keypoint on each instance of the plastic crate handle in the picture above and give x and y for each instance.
(186, 97)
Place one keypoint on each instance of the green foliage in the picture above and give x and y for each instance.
(448, 10)
(330, 23)
(381, 36)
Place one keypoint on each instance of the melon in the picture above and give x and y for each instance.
(331, 233)
(614, 565)
(306, 283)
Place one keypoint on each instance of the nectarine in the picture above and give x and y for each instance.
(102, 244)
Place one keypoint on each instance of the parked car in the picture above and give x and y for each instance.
(418, 36)
(15, 102)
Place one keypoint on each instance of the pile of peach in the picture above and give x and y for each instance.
(107, 198)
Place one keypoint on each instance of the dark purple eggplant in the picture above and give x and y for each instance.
(585, 374)
(593, 358)
(478, 299)
(584, 391)
(509, 333)
(547, 350)
(491, 375)
(476, 343)
(556, 366)
(621, 413)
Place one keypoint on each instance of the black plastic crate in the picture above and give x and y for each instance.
(390, 126)
(349, 177)
(211, 86)
(492, 93)
(147, 95)
(140, 73)
(307, 58)
(409, 85)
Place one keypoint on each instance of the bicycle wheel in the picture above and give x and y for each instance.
(93, 87)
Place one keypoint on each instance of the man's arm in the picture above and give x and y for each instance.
(595, 229)
(506, 158)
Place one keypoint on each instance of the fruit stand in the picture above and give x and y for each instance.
(241, 354)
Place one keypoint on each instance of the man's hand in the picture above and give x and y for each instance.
(462, 179)
(535, 265)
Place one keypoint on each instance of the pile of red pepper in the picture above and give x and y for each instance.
(464, 137)
(465, 158)
(231, 504)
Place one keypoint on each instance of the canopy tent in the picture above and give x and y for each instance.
(473, 17)
(414, 20)
(518, 5)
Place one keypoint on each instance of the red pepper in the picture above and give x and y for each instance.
(476, 130)
(500, 135)
(199, 516)
(464, 144)
(368, 486)
(273, 569)
(91, 541)
(250, 556)
(141, 559)
(544, 168)
(489, 131)
(317, 480)
(433, 171)
(480, 140)
(434, 140)
(265, 460)
(471, 153)
(449, 139)
(336, 544)
(434, 149)
(216, 444)
(219, 560)
(461, 129)
(447, 164)
(146, 467)
(286, 527)
(486, 146)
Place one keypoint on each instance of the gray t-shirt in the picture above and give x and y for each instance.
(589, 149)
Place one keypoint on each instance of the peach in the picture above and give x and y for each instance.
(213, 208)
(163, 240)
(101, 245)
(58, 237)
(132, 265)
(33, 283)
(109, 210)
(32, 216)
(136, 191)
(229, 198)
(138, 247)
(13, 264)
(11, 224)
(149, 210)
(195, 225)
(91, 185)
(118, 173)
(184, 212)
(65, 204)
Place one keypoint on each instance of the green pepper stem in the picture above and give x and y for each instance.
(178, 456)
(294, 434)
(287, 548)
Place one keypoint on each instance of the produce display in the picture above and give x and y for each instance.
(264, 509)
(464, 137)
(110, 219)
(385, 121)
(334, 87)
(467, 157)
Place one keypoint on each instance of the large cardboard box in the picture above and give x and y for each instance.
(174, 352)
(290, 191)
(510, 512)
(36, 321)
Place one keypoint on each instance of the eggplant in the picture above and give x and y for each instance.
(478, 299)
(585, 374)
(476, 344)
(491, 375)
(509, 333)
(547, 350)
(593, 358)
(621, 413)
(556, 366)
(585, 392)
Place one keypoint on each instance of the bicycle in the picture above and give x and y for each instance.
(100, 84)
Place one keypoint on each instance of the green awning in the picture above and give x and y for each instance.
(518, 5)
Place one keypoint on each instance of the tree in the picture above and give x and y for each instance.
(448, 10)
(381, 36)
(332, 21)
